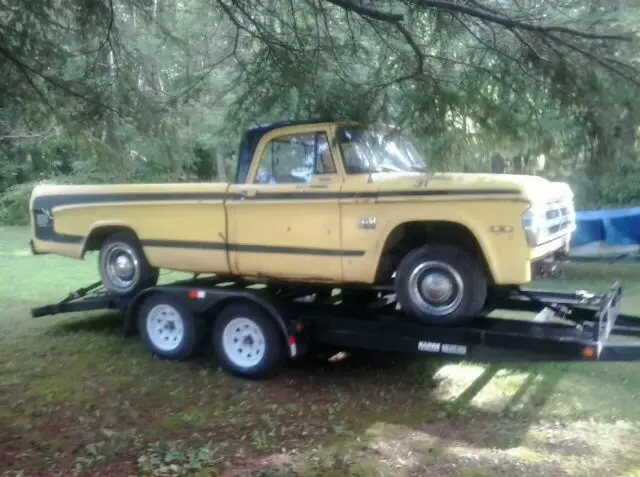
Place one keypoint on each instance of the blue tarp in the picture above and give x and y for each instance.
(613, 227)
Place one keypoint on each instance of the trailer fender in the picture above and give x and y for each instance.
(130, 313)
(279, 314)
(272, 307)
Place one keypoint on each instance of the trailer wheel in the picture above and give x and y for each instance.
(247, 342)
(440, 284)
(168, 328)
(123, 268)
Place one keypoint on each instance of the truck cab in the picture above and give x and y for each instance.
(366, 192)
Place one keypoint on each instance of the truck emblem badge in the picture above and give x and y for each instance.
(43, 217)
(367, 223)
(501, 229)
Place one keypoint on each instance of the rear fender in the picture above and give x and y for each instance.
(99, 231)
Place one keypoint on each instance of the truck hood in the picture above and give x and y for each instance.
(532, 188)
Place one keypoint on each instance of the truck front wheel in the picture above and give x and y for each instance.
(440, 284)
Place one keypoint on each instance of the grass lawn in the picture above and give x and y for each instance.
(77, 398)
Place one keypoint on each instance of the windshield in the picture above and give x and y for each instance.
(366, 150)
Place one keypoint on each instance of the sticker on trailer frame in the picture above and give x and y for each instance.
(446, 348)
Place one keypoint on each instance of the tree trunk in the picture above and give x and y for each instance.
(221, 168)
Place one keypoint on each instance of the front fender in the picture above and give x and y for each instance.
(496, 228)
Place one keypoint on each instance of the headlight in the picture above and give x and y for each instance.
(532, 222)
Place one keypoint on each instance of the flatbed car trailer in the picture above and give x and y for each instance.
(254, 331)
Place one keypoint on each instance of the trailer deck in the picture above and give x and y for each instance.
(255, 330)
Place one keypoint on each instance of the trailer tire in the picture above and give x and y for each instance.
(168, 328)
(123, 267)
(458, 290)
(247, 342)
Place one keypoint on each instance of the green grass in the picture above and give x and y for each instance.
(78, 398)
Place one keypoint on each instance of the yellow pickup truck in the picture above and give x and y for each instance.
(317, 204)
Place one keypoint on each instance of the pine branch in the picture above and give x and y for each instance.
(368, 12)
(509, 23)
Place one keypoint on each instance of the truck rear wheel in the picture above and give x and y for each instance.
(247, 342)
(440, 284)
(123, 268)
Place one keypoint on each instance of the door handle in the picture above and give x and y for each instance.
(311, 186)
(319, 182)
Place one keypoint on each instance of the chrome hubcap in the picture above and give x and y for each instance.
(120, 267)
(436, 288)
(123, 267)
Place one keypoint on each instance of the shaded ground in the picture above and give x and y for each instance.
(76, 398)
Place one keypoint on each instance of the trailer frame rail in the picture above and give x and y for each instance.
(575, 326)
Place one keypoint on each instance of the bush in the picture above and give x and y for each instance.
(14, 204)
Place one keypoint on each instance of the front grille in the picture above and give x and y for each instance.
(560, 219)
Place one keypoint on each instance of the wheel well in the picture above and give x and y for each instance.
(130, 324)
(99, 234)
(410, 235)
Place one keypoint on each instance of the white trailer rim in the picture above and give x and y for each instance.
(165, 327)
(243, 342)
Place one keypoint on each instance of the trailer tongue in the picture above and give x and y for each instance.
(254, 331)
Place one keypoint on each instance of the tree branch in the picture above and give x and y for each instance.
(368, 12)
(27, 70)
(480, 12)
(414, 46)
(509, 23)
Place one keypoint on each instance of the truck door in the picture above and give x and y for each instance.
(285, 220)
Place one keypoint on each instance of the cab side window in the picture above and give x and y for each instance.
(295, 159)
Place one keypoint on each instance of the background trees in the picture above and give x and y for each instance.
(159, 90)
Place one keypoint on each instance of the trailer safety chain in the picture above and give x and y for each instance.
(82, 292)
(565, 311)
(561, 311)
